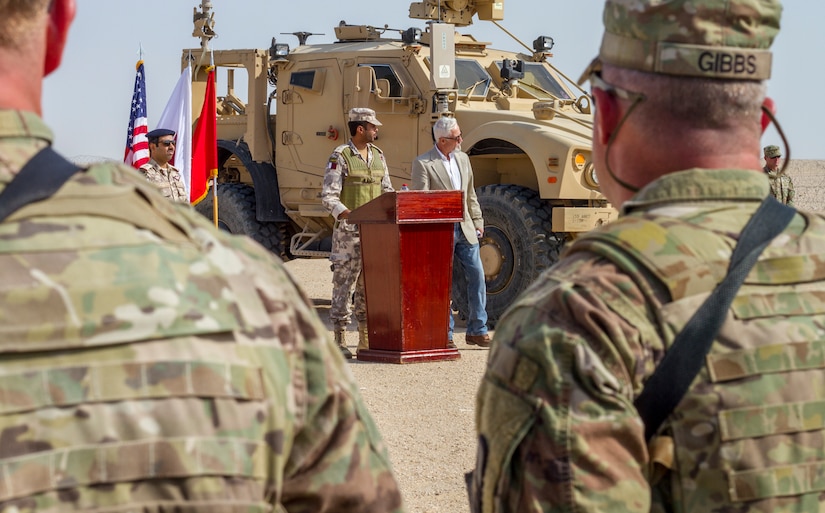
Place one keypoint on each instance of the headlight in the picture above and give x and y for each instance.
(590, 176)
(543, 44)
(579, 161)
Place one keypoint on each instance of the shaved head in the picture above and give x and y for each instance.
(18, 17)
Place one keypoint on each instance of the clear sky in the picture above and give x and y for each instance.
(87, 100)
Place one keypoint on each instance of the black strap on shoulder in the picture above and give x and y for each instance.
(672, 378)
(39, 179)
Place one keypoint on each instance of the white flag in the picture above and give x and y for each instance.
(177, 116)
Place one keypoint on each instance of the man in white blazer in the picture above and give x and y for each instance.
(446, 167)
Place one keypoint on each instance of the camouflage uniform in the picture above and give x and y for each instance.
(555, 409)
(346, 240)
(153, 363)
(781, 185)
(558, 428)
(169, 180)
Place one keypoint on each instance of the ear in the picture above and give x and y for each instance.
(60, 16)
(608, 114)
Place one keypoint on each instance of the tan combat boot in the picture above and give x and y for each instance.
(363, 337)
(341, 342)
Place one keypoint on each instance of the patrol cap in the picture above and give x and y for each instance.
(157, 133)
(363, 114)
(772, 151)
(728, 39)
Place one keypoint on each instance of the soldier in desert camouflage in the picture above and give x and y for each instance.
(356, 173)
(781, 182)
(159, 170)
(151, 362)
(678, 89)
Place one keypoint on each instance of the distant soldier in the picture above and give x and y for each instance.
(150, 361)
(781, 183)
(356, 174)
(159, 170)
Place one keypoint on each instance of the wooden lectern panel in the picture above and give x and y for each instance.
(407, 248)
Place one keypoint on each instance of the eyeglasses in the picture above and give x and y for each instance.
(454, 138)
(166, 143)
(598, 82)
(776, 157)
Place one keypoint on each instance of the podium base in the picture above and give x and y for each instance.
(424, 355)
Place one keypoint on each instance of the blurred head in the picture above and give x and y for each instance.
(32, 39)
(682, 71)
(20, 18)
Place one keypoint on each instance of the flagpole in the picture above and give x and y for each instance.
(215, 175)
(215, 199)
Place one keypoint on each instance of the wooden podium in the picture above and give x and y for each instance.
(407, 256)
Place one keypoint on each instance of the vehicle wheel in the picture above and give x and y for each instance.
(517, 246)
(236, 214)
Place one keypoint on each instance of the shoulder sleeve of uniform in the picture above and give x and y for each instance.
(336, 153)
(376, 148)
(556, 381)
(635, 242)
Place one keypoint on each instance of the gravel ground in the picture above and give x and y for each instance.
(809, 183)
(424, 410)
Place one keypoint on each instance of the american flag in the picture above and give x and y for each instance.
(137, 146)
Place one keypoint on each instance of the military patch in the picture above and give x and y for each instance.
(333, 161)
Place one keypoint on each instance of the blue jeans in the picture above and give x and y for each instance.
(467, 254)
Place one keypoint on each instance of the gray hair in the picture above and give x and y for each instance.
(692, 101)
(443, 127)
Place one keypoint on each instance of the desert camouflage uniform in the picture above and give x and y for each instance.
(169, 181)
(346, 241)
(152, 363)
(558, 429)
(781, 186)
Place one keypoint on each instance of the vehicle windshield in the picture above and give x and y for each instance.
(473, 80)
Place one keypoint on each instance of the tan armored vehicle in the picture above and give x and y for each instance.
(525, 128)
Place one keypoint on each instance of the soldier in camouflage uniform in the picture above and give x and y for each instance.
(781, 183)
(159, 170)
(356, 173)
(151, 362)
(558, 428)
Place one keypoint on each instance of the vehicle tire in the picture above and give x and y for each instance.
(236, 214)
(518, 244)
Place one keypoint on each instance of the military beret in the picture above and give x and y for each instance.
(362, 114)
(772, 151)
(159, 132)
(727, 39)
